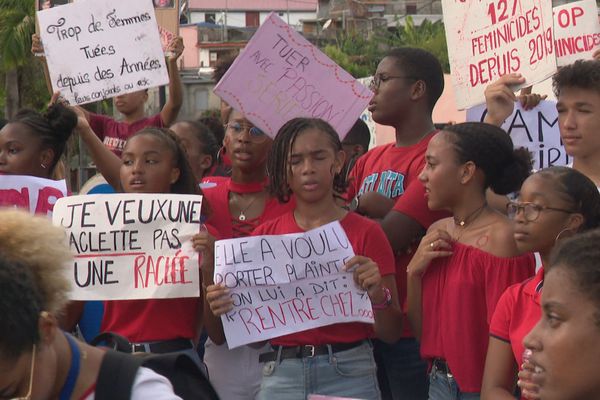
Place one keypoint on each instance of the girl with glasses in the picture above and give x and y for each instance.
(37, 359)
(554, 203)
(464, 263)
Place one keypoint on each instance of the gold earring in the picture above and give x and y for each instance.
(563, 231)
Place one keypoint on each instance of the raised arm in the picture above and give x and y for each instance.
(170, 110)
(500, 99)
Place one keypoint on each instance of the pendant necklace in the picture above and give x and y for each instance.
(242, 216)
(468, 219)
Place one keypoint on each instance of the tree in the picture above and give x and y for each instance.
(17, 24)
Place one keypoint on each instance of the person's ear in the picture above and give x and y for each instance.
(358, 150)
(339, 161)
(206, 161)
(467, 172)
(46, 157)
(419, 89)
(575, 222)
(175, 174)
(47, 324)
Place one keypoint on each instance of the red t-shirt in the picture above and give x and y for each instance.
(393, 172)
(114, 133)
(216, 190)
(154, 320)
(459, 296)
(517, 312)
(367, 239)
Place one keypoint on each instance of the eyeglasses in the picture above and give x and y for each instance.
(28, 395)
(256, 135)
(531, 211)
(377, 79)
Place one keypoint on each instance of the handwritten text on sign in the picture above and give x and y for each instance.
(536, 130)
(491, 38)
(37, 195)
(282, 284)
(101, 49)
(576, 31)
(280, 76)
(131, 246)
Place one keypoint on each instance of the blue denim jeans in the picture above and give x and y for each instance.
(401, 371)
(443, 387)
(351, 373)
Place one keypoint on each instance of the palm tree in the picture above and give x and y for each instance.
(17, 24)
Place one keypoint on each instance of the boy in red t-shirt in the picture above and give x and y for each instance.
(114, 133)
(383, 184)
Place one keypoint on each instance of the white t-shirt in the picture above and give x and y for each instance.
(149, 385)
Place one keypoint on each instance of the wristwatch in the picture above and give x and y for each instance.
(386, 303)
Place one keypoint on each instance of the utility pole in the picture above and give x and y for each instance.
(287, 3)
(225, 38)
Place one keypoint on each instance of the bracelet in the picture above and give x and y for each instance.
(386, 302)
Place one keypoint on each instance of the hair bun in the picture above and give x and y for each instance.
(62, 120)
(514, 174)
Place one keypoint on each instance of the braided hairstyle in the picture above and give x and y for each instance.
(580, 257)
(54, 127)
(277, 163)
(578, 190)
(491, 149)
(186, 184)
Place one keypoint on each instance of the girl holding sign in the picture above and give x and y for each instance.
(554, 203)
(239, 204)
(32, 143)
(465, 262)
(153, 161)
(305, 161)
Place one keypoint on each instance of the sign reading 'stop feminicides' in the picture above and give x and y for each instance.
(101, 49)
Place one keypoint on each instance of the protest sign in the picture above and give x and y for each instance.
(536, 129)
(280, 76)
(101, 49)
(131, 246)
(282, 284)
(38, 195)
(576, 31)
(491, 38)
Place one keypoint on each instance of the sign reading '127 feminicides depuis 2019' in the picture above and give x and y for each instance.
(131, 246)
(101, 49)
(491, 38)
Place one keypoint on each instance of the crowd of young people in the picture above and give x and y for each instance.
(459, 309)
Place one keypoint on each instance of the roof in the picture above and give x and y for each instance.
(254, 5)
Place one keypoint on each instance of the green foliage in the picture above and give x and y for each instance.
(17, 24)
(359, 54)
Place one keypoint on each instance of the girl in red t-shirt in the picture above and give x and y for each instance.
(554, 203)
(305, 161)
(465, 262)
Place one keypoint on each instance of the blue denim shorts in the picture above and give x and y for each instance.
(350, 373)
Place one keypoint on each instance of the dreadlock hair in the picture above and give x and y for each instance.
(580, 257)
(491, 150)
(277, 163)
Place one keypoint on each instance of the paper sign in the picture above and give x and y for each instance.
(576, 31)
(38, 195)
(282, 284)
(491, 38)
(536, 129)
(102, 49)
(280, 76)
(131, 246)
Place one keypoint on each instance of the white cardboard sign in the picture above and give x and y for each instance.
(282, 284)
(576, 31)
(102, 49)
(131, 246)
(491, 38)
(537, 130)
(38, 195)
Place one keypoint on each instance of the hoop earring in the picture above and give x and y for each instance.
(563, 231)
(43, 166)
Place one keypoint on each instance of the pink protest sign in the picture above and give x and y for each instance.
(280, 76)
(491, 38)
(576, 31)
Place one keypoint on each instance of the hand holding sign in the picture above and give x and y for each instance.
(500, 99)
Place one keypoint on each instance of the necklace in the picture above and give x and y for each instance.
(471, 217)
(242, 216)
